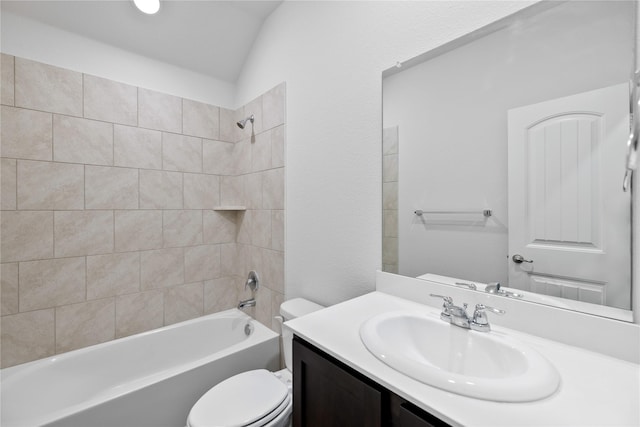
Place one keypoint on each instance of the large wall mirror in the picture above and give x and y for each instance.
(504, 154)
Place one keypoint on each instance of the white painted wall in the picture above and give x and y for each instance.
(332, 54)
(452, 120)
(34, 40)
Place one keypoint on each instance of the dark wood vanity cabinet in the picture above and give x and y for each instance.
(328, 393)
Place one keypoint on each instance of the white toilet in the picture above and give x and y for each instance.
(257, 398)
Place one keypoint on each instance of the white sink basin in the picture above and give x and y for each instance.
(483, 365)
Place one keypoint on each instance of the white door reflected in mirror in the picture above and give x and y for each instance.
(567, 209)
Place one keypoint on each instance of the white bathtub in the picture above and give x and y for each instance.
(150, 379)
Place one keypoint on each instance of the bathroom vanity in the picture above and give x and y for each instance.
(327, 392)
(338, 381)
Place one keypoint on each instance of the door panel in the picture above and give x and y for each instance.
(567, 210)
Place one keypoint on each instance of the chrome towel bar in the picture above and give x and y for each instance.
(485, 212)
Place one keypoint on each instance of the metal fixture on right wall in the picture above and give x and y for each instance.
(241, 123)
(632, 143)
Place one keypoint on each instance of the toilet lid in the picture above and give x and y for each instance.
(239, 400)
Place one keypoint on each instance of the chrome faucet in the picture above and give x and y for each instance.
(251, 302)
(458, 315)
(253, 283)
(494, 288)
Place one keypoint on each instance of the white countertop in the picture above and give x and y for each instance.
(595, 390)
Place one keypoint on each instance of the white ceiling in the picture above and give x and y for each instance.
(210, 37)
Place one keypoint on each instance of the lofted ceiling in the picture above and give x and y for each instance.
(210, 37)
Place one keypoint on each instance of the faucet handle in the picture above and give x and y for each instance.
(480, 321)
(446, 306)
(253, 282)
(447, 300)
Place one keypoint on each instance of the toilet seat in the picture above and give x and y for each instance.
(249, 399)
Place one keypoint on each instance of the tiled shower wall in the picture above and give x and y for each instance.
(390, 199)
(109, 206)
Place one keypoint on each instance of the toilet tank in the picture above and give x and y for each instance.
(292, 309)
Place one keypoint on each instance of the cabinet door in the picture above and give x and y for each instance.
(406, 414)
(327, 393)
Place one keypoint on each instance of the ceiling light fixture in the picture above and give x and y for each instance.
(148, 6)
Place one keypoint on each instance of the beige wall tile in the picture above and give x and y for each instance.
(110, 188)
(263, 307)
(113, 274)
(84, 324)
(261, 152)
(220, 294)
(261, 229)
(9, 286)
(201, 263)
(273, 107)
(242, 151)
(201, 191)
(182, 228)
(390, 250)
(161, 268)
(183, 303)
(26, 235)
(47, 185)
(219, 227)
(254, 261)
(244, 221)
(7, 67)
(47, 88)
(199, 119)
(273, 189)
(390, 195)
(273, 266)
(51, 283)
(277, 230)
(110, 101)
(26, 134)
(233, 260)
(79, 233)
(253, 190)
(181, 153)
(390, 268)
(390, 223)
(82, 141)
(139, 312)
(232, 191)
(137, 148)
(228, 127)
(390, 141)
(160, 190)
(138, 230)
(8, 184)
(27, 336)
(218, 157)
(254, 107)
(390, 168)
(159, 111)
(277, 147)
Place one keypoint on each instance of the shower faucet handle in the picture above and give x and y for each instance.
(253, 282)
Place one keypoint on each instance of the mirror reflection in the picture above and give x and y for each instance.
(503, 158)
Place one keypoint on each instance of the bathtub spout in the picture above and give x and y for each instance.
(247, 303)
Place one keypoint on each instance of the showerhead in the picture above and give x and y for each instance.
(242, 122)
